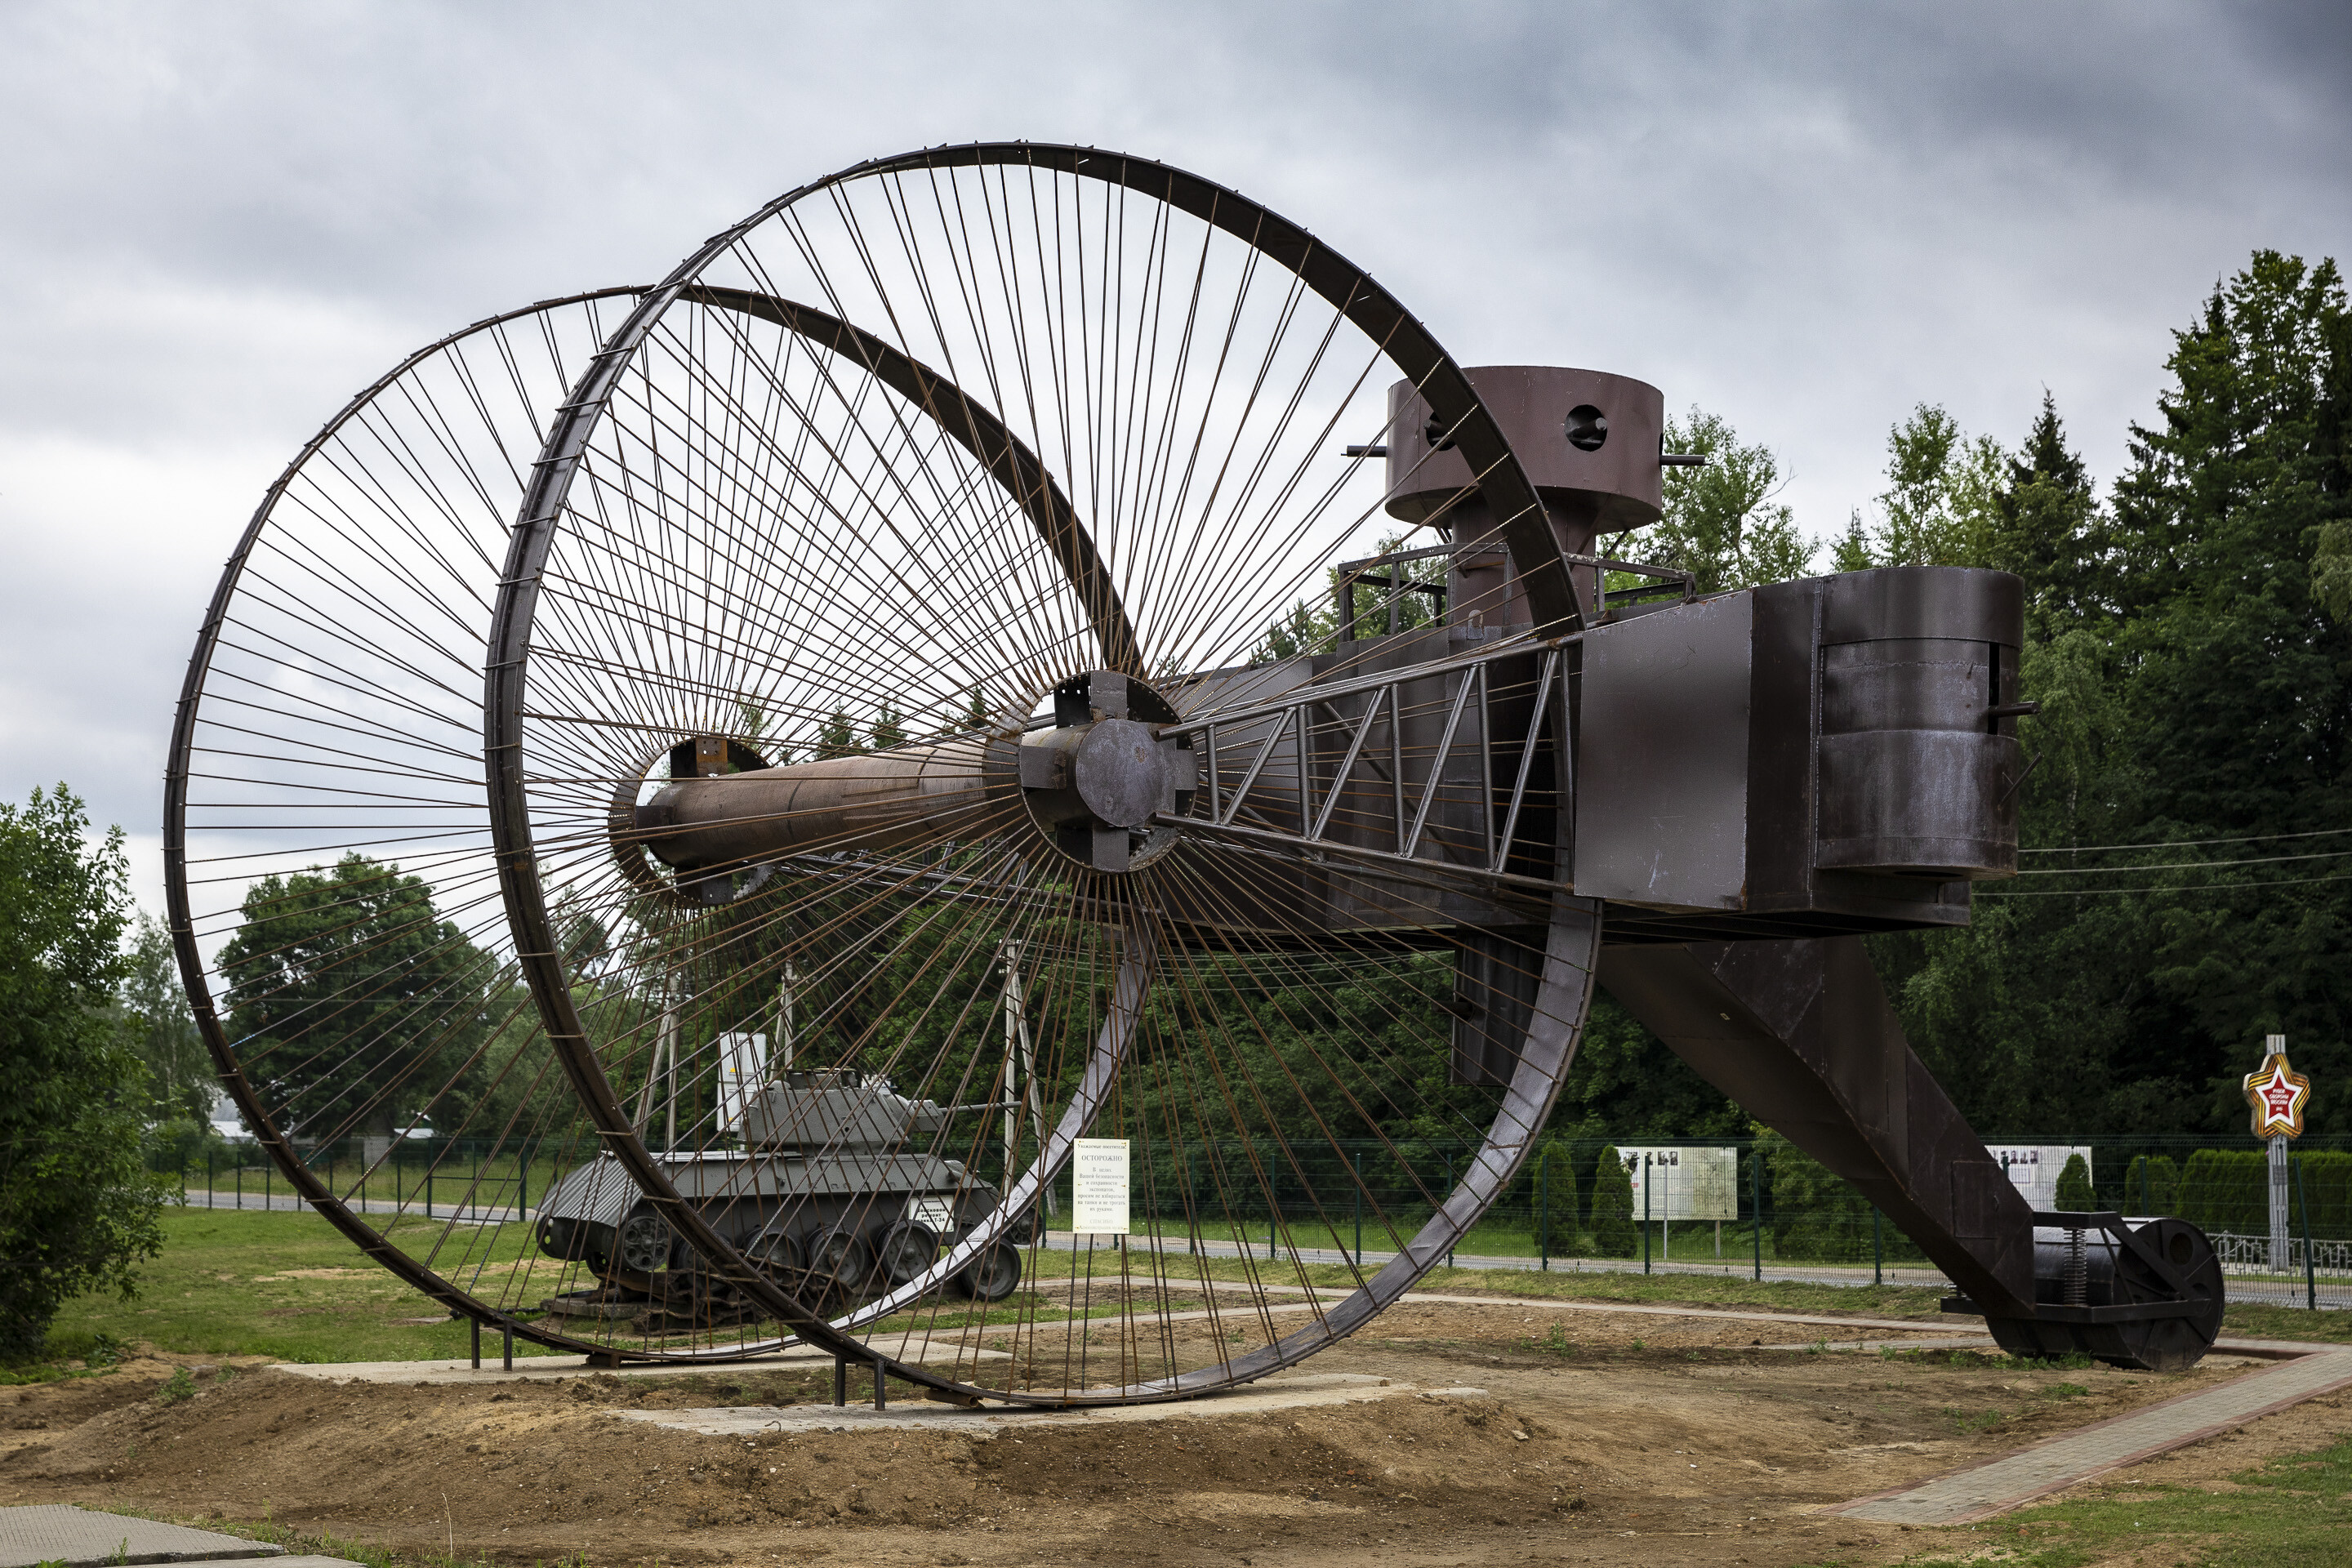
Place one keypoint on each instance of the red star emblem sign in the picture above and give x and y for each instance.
(2277, 1092)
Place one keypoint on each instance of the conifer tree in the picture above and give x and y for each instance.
(2074, 1193)
(1612, 1208)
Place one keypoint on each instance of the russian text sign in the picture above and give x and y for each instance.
(1098, 1187)
(1684, 1183)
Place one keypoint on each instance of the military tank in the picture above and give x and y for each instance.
(828, 1194)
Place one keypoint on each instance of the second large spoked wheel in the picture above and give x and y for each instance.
(829, 697)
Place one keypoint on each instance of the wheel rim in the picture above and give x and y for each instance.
(328, 712)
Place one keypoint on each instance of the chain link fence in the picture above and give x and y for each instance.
(1755, 1208)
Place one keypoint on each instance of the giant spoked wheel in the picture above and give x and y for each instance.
(327, 848)
(903, 765)
(329, 870)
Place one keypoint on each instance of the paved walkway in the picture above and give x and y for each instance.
(80, 1538)
(1983, 1491)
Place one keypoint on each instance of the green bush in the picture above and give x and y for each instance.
(79, 1209)
(2074, 1186)
(176, 1388)
(2226, 1189)
(1814, 1214)
(1555, 1170)
(1612, 1215)
(86, 1346)
(2151, 1185)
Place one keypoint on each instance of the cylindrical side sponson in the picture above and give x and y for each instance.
(884, 800)
(1919, 766)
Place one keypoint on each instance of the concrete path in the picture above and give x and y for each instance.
(542, 1368)
(1272, 1394)
(1982, 1490)
(59, 1533)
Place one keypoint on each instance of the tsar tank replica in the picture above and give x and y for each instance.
(830, 1195)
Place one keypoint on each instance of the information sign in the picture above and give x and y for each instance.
(1098, 1187)
(2034, 1168)
(1684, 1183)
(742, 1073)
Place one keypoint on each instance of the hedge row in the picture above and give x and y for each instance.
(2229, 1189)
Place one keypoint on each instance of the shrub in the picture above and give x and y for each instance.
(2152, 1185)
(1611, 1213)
(2226, 1190)
(1814, 1214)
(79, 1210)
(2074, 1186)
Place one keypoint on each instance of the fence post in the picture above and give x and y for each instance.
(1273, 1207)
(1359, 1160)
(1441, 1202)
(240, 1181)
(209, 1178)
(1877, 1247)
(1192, 1214)
(1543, 1209)
(1756, 1200)
(269, 1168)
(1646, 1214)
(2310, 1267)
(522, 1182)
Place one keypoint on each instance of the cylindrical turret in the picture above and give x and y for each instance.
(1590, 441)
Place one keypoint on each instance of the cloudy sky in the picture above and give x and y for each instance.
(222, 220)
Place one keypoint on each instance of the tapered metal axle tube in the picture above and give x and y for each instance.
(1090, 782)
(882, 800)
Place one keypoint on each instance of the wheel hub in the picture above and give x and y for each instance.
(1096, 780)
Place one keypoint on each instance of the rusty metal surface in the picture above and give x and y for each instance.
(1661, 813)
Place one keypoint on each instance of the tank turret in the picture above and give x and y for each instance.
(836, 1108)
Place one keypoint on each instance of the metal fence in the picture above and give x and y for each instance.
(1766, 1212)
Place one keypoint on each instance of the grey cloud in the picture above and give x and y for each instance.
(222, 221)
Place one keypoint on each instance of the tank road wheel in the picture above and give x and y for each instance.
(991, 1277)
(979, 872)
(841, 1258)
(776, 1251)
(644, 1244)
(904, 1251)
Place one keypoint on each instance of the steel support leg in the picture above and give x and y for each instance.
(1800, 1034)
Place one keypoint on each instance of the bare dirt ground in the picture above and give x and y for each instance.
(1623, 1438)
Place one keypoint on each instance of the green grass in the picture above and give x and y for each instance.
(2259, 1320)
(2289, 1513)
(1516, 1236)
(225, 1285)
(222, 1287)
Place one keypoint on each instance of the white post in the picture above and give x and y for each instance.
(1009, 954)
(669, 1083)
(2281, 1260)
(784, 1018)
